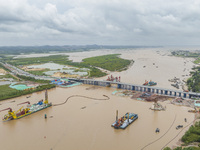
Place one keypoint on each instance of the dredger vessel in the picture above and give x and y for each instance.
(30, 109)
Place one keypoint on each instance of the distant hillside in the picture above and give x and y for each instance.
(16, 50)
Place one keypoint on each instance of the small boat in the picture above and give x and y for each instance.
(157, 130)
(179, 126)
(124, 121)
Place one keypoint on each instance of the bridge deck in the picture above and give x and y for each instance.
(152, 89)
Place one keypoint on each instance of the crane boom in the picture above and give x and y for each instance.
(24, 103)
(10, 109)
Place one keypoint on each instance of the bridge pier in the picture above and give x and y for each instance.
(141, 89)
(166, 92)
(108, 85)
(184, 95)
(157, 91)
(138, 88)
(119, 86)
(179, 95)
(161, 91)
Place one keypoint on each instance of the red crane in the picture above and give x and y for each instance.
(24, 103)
(10, 109)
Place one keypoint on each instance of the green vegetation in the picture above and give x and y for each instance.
(192, 135)
(108, 62)
(7, 76)
(96, 72)
(183, 53)
(193, 82)
(59, 59)
(39, 72)
(7, 92)
(185, 148)
(1, 66)
(32, 79)
(197, 61)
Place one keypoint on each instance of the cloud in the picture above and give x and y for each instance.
(131, 22)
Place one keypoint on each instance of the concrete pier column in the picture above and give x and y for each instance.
(161, 91)
(174, 93)
(136, 88)
(179, 95)
(119, 86)
(141, 89)
(166, 92)
(157, 91)
(108, 84)
(184, 95)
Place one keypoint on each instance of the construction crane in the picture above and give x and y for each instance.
(24, 103)
(11, 114)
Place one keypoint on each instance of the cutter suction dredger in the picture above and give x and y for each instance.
(30, 109)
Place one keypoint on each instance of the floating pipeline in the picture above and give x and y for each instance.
(40, 105)
(106, 98)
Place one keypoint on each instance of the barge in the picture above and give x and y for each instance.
(124, 121)
(30, 109)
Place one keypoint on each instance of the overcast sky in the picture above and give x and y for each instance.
(103, 22)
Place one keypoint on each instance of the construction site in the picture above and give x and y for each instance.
(156, 98)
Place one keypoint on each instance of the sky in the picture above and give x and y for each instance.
(101, 22)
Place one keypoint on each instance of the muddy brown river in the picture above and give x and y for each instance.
(85, 124)
(69, 126)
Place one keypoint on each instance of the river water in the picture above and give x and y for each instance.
(85, 124)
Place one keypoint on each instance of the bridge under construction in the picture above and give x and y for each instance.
(134, 87)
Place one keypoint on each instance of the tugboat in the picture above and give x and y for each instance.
(124, 121)
(13, 115)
